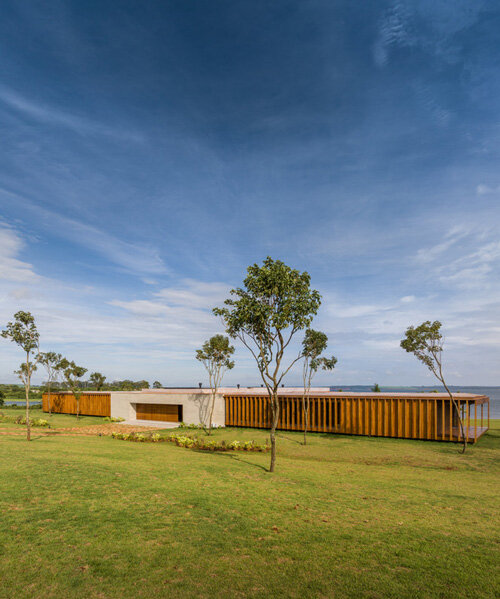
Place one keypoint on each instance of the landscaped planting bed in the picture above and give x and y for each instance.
(192, 442)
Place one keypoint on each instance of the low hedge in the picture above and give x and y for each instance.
(192, 442)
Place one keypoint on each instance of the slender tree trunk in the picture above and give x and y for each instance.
(275, 410)
(27, 389)
(457, 410)
(306, 418)
(304, 412)
(212, 412)
(78, 408)
(48, 399)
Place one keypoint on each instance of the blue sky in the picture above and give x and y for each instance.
(151, 151)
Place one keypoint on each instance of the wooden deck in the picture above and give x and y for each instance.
(473, 433)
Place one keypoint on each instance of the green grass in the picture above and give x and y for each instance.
(56, 420)
(341, 517)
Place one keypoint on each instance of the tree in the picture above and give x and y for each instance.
(376, 388)
(215, 356)
(157, 385)
(313, 345)
(275, 303)
(2, 398)
(23, 331)
(73, 374)
(52, 364)
(97, 379)
(425, 342)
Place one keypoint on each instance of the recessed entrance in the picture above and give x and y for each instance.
(161, 412)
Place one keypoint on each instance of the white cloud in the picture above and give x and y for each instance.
(11, 268)
(137, 258)
(486, 189)
(196, 294)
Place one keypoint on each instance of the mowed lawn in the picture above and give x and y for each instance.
(55, 420)
(341, 517)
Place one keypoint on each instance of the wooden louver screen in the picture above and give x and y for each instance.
(409, 418)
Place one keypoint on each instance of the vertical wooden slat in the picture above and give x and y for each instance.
(451, 421)
(406, 410)
(373, 416)
(468, 419)
(475, 421)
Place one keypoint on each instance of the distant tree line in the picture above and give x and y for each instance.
(90, 385)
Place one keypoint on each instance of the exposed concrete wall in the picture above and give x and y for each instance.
(195, 404)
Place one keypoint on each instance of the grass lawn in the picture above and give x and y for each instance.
(55, 420)
(341, 517)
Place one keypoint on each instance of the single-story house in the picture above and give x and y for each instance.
(404, 415)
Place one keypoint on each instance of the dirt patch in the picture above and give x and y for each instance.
(100, 429)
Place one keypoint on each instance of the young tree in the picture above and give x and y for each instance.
(52, 364)
(376, 388)
(313, 345)
(23, 331)
(215, 356)
(157, 385)
(425, 342)
(275, 303)
(73, 374)
(97, 379)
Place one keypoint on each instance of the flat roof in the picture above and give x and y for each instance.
(297, 392)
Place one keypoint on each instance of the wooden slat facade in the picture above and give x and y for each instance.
(381, 416)
(91, 404)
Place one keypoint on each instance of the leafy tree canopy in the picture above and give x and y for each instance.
(217, 351)
(97, 379)
(313, 345)
(425, 342)
(25, 371)
(275, 302)
(23, 331)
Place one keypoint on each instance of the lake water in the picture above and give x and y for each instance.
(492, 392)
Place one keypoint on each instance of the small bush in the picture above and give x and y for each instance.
(201, 427)
(113, 419)
(22, 420)
(191, 442)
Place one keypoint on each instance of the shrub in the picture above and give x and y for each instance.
(22, 420)
(196, 426)
(113, 419)
(191, 442)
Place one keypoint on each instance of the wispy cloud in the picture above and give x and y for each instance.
(11, 268)
(54, 116)
(140, 259)
(487, 189)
